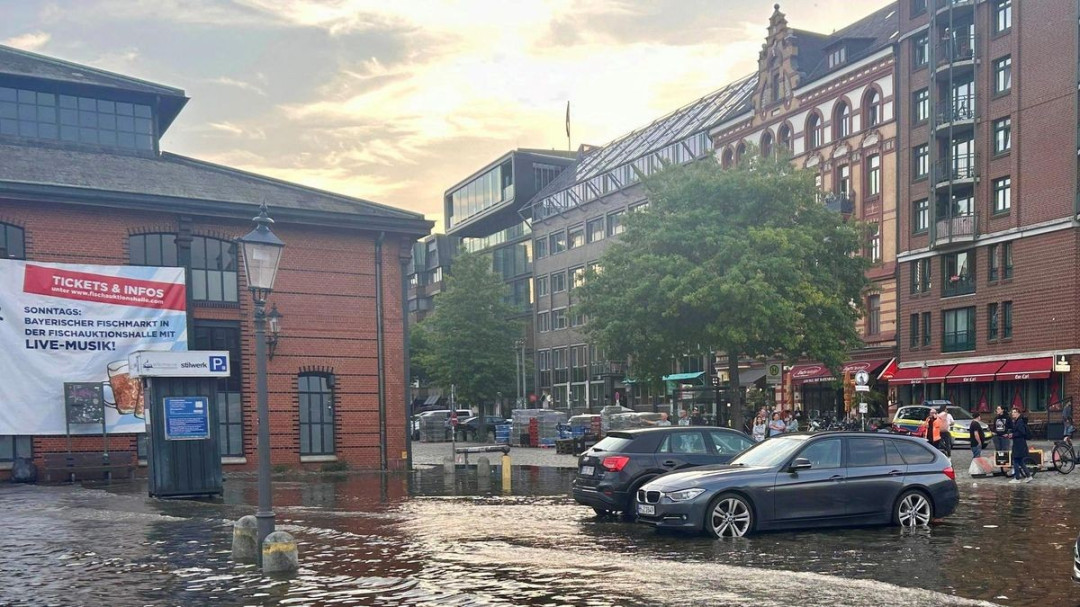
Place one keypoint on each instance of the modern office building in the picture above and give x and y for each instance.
(84, 180)
(830, 102)
(481, 214)
(575, 218)
(430, 262)
(988, 195)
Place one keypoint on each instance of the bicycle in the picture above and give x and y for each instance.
(1064, 455)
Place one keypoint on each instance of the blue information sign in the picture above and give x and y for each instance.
(187, 418)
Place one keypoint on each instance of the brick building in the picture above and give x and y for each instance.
(829, 101)
(988, 236)
(83, 180)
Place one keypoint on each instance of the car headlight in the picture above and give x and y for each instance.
(685, 494)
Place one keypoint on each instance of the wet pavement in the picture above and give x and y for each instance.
(425, 539)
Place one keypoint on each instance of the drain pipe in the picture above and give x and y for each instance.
(380, 348)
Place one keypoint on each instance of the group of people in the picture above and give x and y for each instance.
(694, 417)
(1008, 428)
(781, 422)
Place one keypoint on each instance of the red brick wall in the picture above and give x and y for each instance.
(325, 290)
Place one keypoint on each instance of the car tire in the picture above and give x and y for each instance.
(729, 515)
(913, 508)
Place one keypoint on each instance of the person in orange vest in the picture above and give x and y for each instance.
(933, 431)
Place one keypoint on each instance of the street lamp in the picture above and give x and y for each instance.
(273, 319)
(262, 254)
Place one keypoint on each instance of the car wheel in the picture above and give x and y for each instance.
(729, 515)
(913, 509)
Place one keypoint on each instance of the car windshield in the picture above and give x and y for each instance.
(959, 413)
(772, 452)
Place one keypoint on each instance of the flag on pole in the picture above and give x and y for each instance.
(568, 120)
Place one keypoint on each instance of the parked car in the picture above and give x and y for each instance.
(610, 472)
(909, 418)
(807, 480)
(441, 415)
(469, 426)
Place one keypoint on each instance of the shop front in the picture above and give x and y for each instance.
(820, 394)
(1030, 384)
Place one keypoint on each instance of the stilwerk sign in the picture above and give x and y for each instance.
(77, 323)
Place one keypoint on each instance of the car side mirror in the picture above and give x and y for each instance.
(801, 463)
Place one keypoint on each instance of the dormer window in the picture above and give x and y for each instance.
(29, 114)
(837, 56)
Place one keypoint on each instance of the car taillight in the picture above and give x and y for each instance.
(615, 463)
(949, 472)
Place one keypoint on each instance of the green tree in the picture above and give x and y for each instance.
(468, 341)
(744, 260)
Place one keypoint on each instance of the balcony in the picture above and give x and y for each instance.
(956, 112)
(957, 49)
(959, 285)
(960, 229)
(941, 5)
(602, 369)
(959, 169)
(841, 202)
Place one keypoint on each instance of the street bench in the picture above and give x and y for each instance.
(88, 466)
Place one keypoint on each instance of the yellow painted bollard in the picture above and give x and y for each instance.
(279, 553)
(506, 473)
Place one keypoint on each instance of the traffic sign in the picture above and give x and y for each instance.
(862, 378)
(773, 373)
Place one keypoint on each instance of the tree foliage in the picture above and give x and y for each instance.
(746, 261)
(468, 341)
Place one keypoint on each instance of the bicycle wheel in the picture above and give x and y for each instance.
(1063, 458)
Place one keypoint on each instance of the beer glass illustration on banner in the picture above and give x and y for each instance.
(127, 393)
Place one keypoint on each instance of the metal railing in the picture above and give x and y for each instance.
(963, 284)
(961, 108)
(961, 228)
(965, 166)
(958, 341)
(943, 4)
(840, 202)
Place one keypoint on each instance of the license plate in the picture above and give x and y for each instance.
(587, 470)
(646, 509)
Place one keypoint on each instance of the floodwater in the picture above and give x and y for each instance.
(427, 539)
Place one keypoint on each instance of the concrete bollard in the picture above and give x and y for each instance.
(483, 467)
(245, 543)
(279, 553)
(506, 473)
(448, 465)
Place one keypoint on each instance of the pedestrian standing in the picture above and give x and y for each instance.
(946, 420)
(759, 428)
(933, 435)
(1002, 428)
(683, 419)
(1020, 436)
(976, 432)
(697, 419)
(777, 425)
(792, 423)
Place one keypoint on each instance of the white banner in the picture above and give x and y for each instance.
(63, 323)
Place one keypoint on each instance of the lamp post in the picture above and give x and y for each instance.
(519, 367)
(262, 254)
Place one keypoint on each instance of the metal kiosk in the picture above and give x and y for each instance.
(180, 392)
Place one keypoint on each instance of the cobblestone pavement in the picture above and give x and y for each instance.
(432, 454)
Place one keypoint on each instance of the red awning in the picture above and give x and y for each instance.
(914, 375)
(817, 373)
(973, 372)
(1026, 368)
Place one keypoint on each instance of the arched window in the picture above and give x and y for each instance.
(871, 108)
(815, 132)
(727, 159)
(12, 242)
(841, 121)
(784, 137)
(766, 145)
(740, 152)
(213, 263)
(316, 396)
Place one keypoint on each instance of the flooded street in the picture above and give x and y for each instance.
(426, 539)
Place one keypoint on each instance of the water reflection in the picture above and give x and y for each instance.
(427, 538)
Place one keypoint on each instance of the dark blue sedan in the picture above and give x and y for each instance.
(807, 480)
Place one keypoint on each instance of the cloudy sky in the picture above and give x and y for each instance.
(395, 101)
